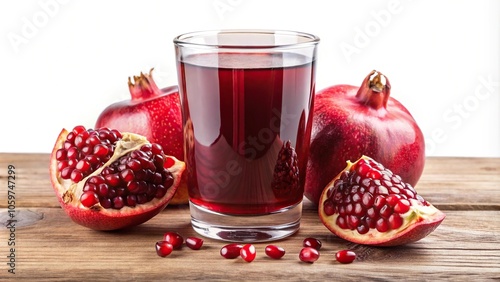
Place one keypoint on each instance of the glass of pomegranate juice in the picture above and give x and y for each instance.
(247, 98)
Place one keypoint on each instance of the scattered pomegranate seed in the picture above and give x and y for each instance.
(248, 252)
(345, 256)
(194, 243)
(274, 251)
(164, 248)
(309, 254)
(173, 238)
(230, 251)
(312, 242)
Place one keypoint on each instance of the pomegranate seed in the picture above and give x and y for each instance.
(363, 227)
(76, 175)
(133, 186)
(156, 149)
(329, 207)
(78, 129)
(230, 251)
(105, 203)
(83, 165)
(341, 222)
(66, 173)
(118, 202)
(158, 160)
(127, 175)
(163, 248)
(134, 164)
(96, 179)
(72, 153)
(312, 242)
(382, 225)
(111, 192)
(173, 238)
(131, 200)
(194, 243)
(248, 252)
(309, 254)
(379, 202)
(113, 179)
(142, 198)
(160, 191)
(146, 148)
(385, 211)
(395, 221)
(101, 150)
(61, 154)
(102, 190)
(345, 256)
(402, 206)
(80, 139)
(392, 200)
(62, 164)
(93, 140)
(274, 251)
(89, 187)
(89, 199)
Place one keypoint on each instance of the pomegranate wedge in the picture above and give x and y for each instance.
(368, 204)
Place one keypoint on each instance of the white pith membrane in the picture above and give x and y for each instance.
(418, 212)
(129, 142)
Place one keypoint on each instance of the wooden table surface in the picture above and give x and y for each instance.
(50, 247)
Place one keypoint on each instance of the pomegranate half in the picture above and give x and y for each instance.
(107, 180)
(368, 204)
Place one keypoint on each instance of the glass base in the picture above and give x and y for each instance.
(254, 228)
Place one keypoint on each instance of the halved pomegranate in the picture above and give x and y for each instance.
(107, 180)
(368, 204)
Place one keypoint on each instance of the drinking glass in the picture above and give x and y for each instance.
(247, 99)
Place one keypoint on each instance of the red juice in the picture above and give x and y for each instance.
(240, 111)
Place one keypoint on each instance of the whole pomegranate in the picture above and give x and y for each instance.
(352, 121)
(153, 113)
(105, 179)
(367, 203)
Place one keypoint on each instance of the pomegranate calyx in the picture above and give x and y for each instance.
(374, 91)
(143, 86)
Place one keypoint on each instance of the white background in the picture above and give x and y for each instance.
(63, 62)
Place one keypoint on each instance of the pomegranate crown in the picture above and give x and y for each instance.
(375, 90)
(143, 86)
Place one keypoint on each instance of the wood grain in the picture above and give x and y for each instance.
(50, 247)
(449, 183)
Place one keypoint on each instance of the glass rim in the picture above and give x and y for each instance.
(183, 39)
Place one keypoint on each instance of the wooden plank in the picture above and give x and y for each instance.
(461, 183)
(32, 187)
(52, 248)
(448, 183)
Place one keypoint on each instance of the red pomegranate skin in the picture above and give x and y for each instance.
(154, 113)
(350, 122)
